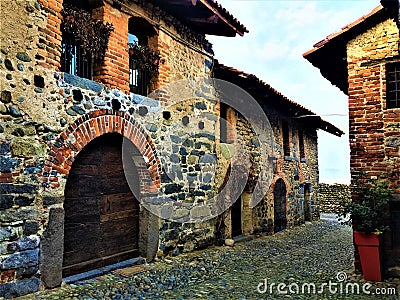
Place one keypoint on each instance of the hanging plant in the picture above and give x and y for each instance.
(90, 34)
(145, 59)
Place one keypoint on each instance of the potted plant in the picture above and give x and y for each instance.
(367, 213)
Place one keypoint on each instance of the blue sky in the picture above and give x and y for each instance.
(280, 32)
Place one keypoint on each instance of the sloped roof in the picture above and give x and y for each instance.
(265, 94)
(204, 16)
(330, 54)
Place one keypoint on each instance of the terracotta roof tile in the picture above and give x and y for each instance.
(343, 30)
(228, 15)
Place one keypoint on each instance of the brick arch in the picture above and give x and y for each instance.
(90, 126)
(275, 179)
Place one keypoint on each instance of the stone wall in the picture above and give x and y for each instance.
(47, 117)
(330, 196)
(296, 172)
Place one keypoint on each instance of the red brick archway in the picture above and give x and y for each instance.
(90, 126)
(62, 154)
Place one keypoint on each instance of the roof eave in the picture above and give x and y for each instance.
(294, 110)
(203, 16)
(330, 54)
(234, 24)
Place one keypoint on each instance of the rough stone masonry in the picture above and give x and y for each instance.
(49, 117)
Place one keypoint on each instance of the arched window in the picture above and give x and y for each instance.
(74, 60)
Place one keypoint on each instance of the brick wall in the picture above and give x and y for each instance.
(373, 127)
(114, 71)
(374, 130)
(50, 34)
(178, 61)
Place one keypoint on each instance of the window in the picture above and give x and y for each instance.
(301, 144)
(285, 136)
(134, 75)
(74, 60)
(393, 85)
(138, 78)
(143, 60)
(226, 124)
(223, 127)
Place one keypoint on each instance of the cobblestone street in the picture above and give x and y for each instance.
(312, 253)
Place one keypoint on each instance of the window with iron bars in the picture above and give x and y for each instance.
(393, 85)
(138, 79)
(73, 61)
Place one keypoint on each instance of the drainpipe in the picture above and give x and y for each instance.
(393, 7)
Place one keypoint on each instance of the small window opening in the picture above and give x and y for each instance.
(301, 144)
(285, 135)
(393, 85)
(226, 125)
(223, 127)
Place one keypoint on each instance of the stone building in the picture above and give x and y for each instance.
(66, 110)
(291, 196)
(363, 61)
(93, 172)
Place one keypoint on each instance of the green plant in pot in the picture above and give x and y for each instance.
(368, 215)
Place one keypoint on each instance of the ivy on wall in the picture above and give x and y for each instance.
(91, 34)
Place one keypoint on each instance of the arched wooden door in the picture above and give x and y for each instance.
(280, 220)
(101, 224)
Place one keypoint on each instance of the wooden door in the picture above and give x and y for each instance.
(307, 202)
(101, 213)
(280, 205)
(236, 217)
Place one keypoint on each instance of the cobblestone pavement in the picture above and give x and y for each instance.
(313, 253)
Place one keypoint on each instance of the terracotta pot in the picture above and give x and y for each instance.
(370, 254)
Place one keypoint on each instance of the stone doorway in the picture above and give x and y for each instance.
(280, 220)
(236, 217)
(307, 202)
(101, 224)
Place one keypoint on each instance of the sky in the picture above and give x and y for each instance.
(279, 33)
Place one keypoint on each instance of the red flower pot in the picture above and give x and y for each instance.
(370, 255)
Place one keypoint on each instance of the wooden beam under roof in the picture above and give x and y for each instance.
(211, 20)
(215, 11)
